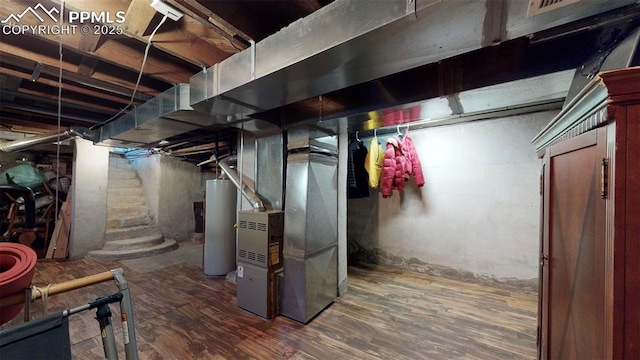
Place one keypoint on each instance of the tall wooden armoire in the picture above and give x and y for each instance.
(589, 300)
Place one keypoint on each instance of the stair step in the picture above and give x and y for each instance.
(126, 211)
(116, 201)
(119, 166)
(134, 243)
(123, 183)
(125, 222)
(131, 232)
(122, 174)
(125, 191)
(113, 255)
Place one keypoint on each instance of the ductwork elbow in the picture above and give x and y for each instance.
(76, 131)
(250, 195)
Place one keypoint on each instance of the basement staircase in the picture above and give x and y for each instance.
(131, 232)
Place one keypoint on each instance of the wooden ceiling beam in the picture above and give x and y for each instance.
(210, 19)
(189, 40)
(11, 83)
(199, 148)
(87, 66)
(138, 17)
(89, 42)
(54, 62)
(44, 114)
(66, 86)
(186, 39)
(25, 126)
(69, 100)
(68, 76)
(120, 53)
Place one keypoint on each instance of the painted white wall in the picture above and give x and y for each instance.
(171, 187)
(180, 188)
(479, 208)
(89, 202)
(149, 173)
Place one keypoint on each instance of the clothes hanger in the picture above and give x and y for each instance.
(357, 137)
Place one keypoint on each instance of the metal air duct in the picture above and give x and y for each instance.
(18, 145)
(250, 195)
(165, 115)
(621, 55)
(349, 42)
(345, 43)
(310, 244)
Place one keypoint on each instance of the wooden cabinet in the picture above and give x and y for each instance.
(589, 305)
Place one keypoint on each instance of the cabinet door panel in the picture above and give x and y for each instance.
(575, 283)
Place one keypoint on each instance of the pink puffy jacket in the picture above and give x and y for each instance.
(400, 162)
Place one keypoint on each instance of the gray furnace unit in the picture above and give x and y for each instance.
(259, 261)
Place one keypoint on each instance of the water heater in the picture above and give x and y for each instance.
(219, 255)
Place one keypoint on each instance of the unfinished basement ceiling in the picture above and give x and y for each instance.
(100, 71)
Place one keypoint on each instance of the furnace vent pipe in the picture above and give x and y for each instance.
(18, 145)
(248, 194)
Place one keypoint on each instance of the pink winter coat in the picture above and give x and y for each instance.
(400, 162)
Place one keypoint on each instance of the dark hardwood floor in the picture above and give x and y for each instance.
(387, 314)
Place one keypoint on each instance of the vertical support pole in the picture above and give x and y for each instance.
(27, 304)
(126, 311)
(106, 331)
(253, 59)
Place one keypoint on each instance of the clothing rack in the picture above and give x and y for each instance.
(387, 130)
(456, 119)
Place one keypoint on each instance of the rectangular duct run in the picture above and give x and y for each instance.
(623, 55)
(350, 42)
(270, 170)
(310, 247)
(164, 116)
(345, 43)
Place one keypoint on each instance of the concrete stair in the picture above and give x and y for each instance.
(131, 232)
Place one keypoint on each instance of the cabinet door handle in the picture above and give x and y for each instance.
(604, 178)
(544, 258)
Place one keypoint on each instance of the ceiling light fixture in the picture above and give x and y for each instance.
(166, 10)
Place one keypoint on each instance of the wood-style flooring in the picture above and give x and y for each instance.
(387, 314)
